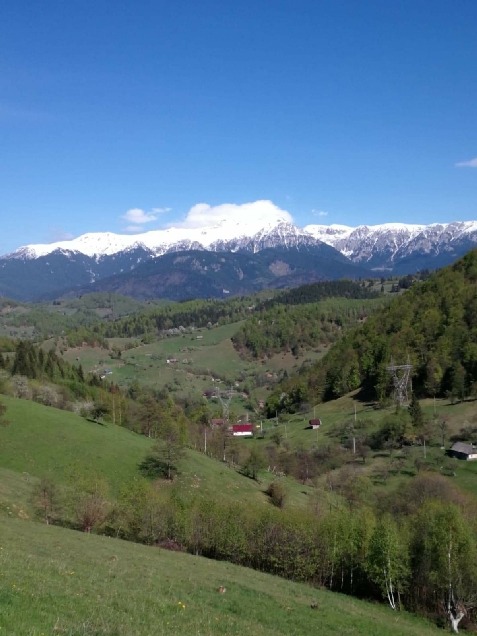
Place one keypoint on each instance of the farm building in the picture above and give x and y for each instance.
(216, 422)
(314, 424)
(461, 450)
(242, 430)
(209, 393)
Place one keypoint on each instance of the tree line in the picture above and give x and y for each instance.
(414, 549)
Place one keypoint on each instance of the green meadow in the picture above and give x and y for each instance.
(58, 581)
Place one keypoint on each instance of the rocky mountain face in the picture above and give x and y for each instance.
(318, 252)
(400, 248)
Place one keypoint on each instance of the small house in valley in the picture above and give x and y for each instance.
(314, 424)
(462, 450)
(242, 430)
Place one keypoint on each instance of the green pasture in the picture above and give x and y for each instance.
(58, 581)
(43, 441)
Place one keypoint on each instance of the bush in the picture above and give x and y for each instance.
(277, 492)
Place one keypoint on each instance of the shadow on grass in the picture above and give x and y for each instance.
(90, 419)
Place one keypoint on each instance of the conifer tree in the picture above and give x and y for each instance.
(415, 411)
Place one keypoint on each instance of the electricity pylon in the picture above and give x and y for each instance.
(401, 376)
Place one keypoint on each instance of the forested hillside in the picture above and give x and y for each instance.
(200, 313)
(435, 323)
(39, 321)
(289, 327)
(315, 292)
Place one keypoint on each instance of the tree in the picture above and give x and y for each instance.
(444, 552)
(164, 459)
(3, 409)
(387, 562)
(46, 499)
(426, 433)
(91, 506)
(254, 463)
(458, 381)
(100, 409)
(443, 427)
(415, 411)
(277, 492)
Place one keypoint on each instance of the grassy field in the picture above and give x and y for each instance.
(42, 441)
(57, 581)
(212, 355)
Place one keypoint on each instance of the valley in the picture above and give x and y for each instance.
(113, 424)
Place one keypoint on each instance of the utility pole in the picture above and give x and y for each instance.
(205, 441)
(354, 432)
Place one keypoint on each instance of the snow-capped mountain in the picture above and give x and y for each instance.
(398, 246)
(34, 270)
(377, 246)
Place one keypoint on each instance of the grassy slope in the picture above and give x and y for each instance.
(57, 581)
(41, 440)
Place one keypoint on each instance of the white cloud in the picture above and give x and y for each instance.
(255, 213)
(319, 213)
(472, 163)
(161, 210)
(134, 229)
(138, 217)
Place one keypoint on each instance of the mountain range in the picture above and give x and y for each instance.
(236, 257)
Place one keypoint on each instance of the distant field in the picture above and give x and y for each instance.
(57, 581)
(204, 354)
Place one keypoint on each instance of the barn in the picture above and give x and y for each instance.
(461, 450)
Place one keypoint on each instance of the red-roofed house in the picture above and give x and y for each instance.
(242, 430)
(314, 423)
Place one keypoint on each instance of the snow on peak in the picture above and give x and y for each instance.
(260, 223)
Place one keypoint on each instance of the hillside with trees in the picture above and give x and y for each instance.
(289, 327)
(434, 323)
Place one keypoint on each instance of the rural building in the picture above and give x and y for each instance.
(314, 424)
(199, 337)
(172, 360)
(209, 393)
(461, 450)
(242, 430)
(216, 422)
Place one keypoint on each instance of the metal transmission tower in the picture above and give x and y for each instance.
(225, 397)
(401, 375)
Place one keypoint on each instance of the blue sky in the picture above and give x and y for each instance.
(357, 108)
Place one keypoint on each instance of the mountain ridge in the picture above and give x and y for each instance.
(380, 246)
(326, 252)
